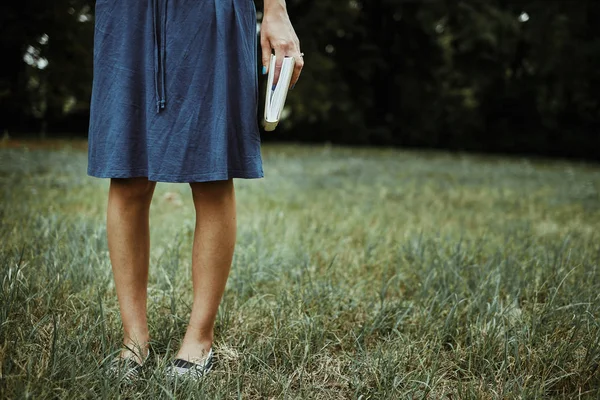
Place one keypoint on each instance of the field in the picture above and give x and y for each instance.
(358, 274)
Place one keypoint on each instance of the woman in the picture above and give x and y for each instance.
(174, 99)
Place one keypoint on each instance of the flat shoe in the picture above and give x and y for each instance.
(187, 369)
(126, 369)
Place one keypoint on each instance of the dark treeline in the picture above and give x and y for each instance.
(513, 76)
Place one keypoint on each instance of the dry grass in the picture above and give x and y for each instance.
(357, 274)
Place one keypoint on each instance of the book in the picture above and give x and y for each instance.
(276, 94)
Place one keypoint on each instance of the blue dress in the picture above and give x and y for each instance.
(175, 91)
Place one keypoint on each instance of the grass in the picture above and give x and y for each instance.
(358, 274)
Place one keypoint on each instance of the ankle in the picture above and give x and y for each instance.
(137, 349)
(199, 337)
(196, 344)
(137, 339)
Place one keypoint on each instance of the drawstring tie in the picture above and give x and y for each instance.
(160, 22)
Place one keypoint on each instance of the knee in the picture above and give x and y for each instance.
(212, 191)
(132, 189)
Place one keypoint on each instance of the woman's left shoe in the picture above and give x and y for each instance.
(126, 369)
(190, 370)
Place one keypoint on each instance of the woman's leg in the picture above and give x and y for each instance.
(214, 242)
(128, 232)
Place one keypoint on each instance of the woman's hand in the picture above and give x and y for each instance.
(277, 33)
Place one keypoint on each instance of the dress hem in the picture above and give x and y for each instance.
(169, 178)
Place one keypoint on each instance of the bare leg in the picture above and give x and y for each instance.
(214, 242)
(128, 234)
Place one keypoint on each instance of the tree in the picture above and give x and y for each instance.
(47, 48)
(485, 75)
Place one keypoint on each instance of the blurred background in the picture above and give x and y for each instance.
(411, 258)
(497, 76)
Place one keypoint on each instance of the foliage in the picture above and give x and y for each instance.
(57, 32)
(487, 75)
(509, 76)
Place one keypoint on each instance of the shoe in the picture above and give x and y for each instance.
(180, 368)
(126, 369)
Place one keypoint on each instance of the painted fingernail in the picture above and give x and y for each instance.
(264, 70)
(293, 86)
(274, 86)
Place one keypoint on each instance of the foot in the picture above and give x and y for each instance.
(191, 370)
(128, 365)
(194, 351)
(125, 369)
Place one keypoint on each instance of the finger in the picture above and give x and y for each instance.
(279, 55)
(266, 54)
(299, 64)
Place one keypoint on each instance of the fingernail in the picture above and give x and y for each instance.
(264, 70)
(293, 86)
(273, 88)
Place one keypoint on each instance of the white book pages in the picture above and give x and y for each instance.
(276, 96)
